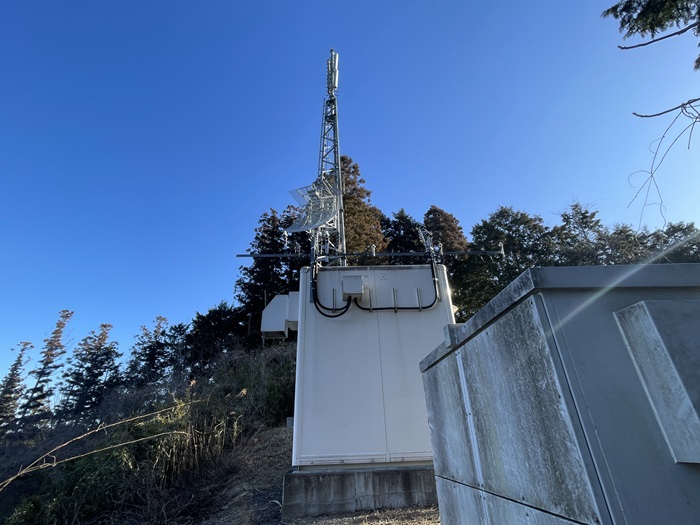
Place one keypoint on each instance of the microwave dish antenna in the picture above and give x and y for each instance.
(322, 201)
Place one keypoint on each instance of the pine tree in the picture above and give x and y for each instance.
(211, 335)
(93, 372)
(446, 232)
(11, 390)
(624, 245)
(578, 240)
(36, 407)
(265, 277)
(651, 17)
(403, 234)
(176, 340)
(678, 242)
(150, 355)
(363, 226)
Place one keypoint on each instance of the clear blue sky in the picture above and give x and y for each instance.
(141, 141)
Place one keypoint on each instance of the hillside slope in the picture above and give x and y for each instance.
(253, 495)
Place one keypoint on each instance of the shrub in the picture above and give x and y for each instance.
(130, 470)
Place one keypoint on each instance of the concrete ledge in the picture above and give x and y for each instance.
(569, 278)
(313, 493)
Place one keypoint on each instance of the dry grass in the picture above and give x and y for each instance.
(427, 516)
(253, 495)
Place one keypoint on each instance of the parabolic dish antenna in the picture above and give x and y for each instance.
(319, 203)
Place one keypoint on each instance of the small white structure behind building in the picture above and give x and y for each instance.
(280, 316)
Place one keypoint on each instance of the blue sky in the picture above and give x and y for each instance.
(141, 141)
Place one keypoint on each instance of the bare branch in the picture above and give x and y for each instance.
(690, 127)
(648, 184)
(679, 106)
(655, 40)
(660, 151)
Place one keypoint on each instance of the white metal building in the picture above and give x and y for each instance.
(362, 334)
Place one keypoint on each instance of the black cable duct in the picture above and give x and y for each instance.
(338, 312)
(404, 308)
(317, 302)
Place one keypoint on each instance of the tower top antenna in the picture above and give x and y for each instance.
(332, 75)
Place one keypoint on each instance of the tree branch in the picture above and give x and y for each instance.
(679, 106)
(655, 40)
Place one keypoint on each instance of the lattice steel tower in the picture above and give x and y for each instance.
(322, 212)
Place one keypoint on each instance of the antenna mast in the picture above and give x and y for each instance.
(329, 157)
(322, 215)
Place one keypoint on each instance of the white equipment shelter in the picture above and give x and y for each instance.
(362, 333)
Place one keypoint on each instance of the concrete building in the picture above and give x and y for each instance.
(572, 397)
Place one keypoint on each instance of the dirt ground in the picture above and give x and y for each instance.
(253, 496)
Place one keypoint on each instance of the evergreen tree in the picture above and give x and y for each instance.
(678, 242)
(93, 372)
(150, 355)
(403, 233)
(446, 232)
(651, 17)
(578, 240)
(36, 407)
(11, 390)
(265, 277)
(624, 245)
(363, 226)
(210, 336)
(176, 341)
(527, 243)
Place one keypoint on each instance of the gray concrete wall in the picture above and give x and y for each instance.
(465, 505)
(663, 339)
(314, 493)
(539, 412)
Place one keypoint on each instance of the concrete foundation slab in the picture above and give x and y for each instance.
(314, 493)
